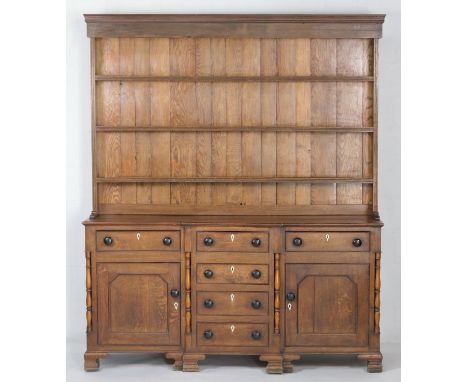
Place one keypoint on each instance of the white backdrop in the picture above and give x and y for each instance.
(78, 131)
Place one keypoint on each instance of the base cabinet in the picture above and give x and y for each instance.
(190, 291)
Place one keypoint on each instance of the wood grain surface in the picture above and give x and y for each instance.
(189, 113)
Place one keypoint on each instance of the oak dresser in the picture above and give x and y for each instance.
(234, 188)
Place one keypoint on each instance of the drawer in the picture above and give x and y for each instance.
(232, 273)
(232, 241)
(232, 334)
(232, 303)
(327, 241)
(138, 240)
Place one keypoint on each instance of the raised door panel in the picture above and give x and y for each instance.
(135, 305)
(328, 304)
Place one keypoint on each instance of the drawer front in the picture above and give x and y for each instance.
(232, 303)
(232, 273)
(327, 241)
(232, 334)
(138, 240)
(232, 241)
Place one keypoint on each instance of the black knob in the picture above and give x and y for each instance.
(256, 274)
(291, 296)
(208, 273)
(357, 242)
(256, 335)
(297, 241)
(167, 240)
(208, 334)
(208, 303)
(108, 240)
(256, 304)
(256, 242)
(208, 241)
(175, 293)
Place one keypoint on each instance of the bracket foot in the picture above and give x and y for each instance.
(190, 361)
(91, 360)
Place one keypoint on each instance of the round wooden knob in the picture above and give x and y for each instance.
(208, 303)
(256, 274)
(208, 241)
(208, 334)
(108, 240)
(256, 334)
(167, 240)
(357, 242)
(256, 242)
(256, 304)
(291, 296)
(175, 293)
(208, 273)
(297, 241)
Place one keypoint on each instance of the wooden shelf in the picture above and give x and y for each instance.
(181, 129)
(233, 180)
(100, 77)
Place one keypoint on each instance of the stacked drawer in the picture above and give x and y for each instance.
(233, 279)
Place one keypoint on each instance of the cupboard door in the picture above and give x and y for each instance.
(327, 304)
(138, 304)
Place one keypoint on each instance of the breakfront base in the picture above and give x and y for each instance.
(276, 363)
(236, 287)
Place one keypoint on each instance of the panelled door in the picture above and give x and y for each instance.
(327, 304)
(138, 304)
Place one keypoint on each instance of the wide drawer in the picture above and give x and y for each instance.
(232, 303)
(232, 273)
(138, 240)
(232, 241)
(232, 334)
(327, 241)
